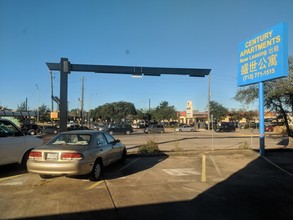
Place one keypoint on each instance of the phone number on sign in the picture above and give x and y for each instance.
(252, 76)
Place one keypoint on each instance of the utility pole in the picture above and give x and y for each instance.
(26, 104)
(38, 111)
(52, 95)
(149, 104)
(82, 101)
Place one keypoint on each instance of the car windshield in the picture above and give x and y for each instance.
(71, 139)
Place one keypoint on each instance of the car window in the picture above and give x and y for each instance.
(4, 132)
(110, 138)
(7, 129)
(71, 139)
(101, 140)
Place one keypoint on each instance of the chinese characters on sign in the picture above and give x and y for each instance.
(264, 56)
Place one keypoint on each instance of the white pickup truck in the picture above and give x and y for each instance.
(14, 145)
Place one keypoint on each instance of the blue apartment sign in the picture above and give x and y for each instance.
(264, 56)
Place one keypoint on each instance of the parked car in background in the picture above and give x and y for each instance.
(155, 128)
(119, 129)
(213, 125)
(76, 153)
(15, 146)
(77, 127)
(173, 124)
(31, 129)
(135, 126)
(225, 126)
(50, 129)
(185, 128)
(253, 125)
(269, 128)
(98, 127)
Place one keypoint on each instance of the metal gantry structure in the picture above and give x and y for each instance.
(65, 68)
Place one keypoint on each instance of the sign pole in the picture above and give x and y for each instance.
(261, 119)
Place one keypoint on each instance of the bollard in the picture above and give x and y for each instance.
(203, 169)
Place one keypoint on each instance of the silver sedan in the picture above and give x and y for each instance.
(185, 128)
(78, 152)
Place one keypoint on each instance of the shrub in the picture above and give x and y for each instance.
(150, 147)
(280, 130)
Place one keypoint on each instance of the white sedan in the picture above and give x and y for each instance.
(14, 145)
(185, 128)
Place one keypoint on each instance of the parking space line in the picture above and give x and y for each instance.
(215, 165)
(181, 172)
(280, 168)
(95, 184)
(10, 177)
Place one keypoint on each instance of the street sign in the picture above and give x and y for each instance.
(264, 56)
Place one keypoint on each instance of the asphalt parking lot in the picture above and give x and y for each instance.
(238, 184)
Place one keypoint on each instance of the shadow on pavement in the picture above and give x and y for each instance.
(258, 191)
(284, 142)
(135, 165)
(11, 170)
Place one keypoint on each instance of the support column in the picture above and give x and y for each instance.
(261, 119)
(64, 70)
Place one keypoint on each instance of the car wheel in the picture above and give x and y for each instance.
(32, 132)
(127, 132)
(180, 130)
(96, 172)
(192, 130)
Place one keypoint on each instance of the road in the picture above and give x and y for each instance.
(202, 140)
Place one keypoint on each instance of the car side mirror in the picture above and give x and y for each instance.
(115, 141)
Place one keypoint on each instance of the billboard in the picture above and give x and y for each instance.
(264, 56)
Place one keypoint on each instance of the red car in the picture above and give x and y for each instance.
(269, 128)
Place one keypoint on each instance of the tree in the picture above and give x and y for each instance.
(75, 112)
(218, 111)
(278, 95)
(143, 114)
(164, 112)
(236, 115)
(116, 111)
(21, 107)
(44, 113)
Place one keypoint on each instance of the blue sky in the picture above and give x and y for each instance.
(155, 33)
